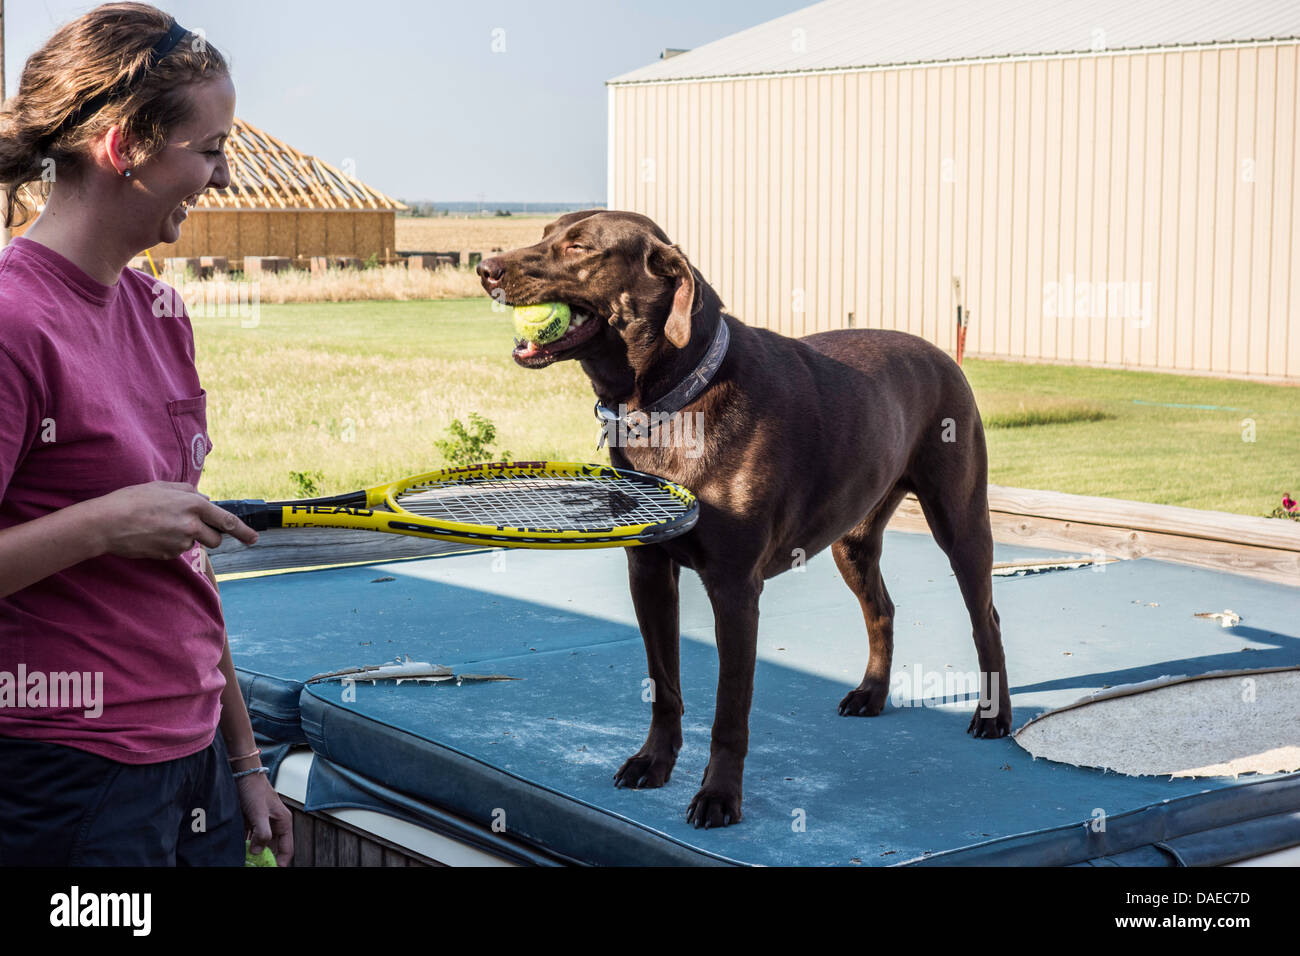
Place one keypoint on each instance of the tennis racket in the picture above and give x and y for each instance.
(510, 504)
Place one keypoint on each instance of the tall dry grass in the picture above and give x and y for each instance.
(382, 283)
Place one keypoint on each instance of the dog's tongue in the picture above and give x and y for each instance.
(528, 349)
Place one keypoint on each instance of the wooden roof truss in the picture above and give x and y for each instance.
(266, 173)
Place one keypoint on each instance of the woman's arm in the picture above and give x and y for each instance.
(33, 550)
(266, 816)
(235, 725)
(161, 519)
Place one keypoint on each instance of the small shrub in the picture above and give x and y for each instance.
(307, 482)
(470, 446)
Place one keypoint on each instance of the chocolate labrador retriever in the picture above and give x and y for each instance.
(803, 443)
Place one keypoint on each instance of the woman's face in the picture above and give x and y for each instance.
(193, 161)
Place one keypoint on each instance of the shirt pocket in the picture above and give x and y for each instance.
(190, 420)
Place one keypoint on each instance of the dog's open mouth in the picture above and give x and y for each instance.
(582, 328)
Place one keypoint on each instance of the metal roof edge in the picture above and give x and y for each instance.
(957, 61)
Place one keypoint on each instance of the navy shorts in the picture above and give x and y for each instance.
(60, 806)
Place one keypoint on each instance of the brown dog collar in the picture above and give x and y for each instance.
(685, 392)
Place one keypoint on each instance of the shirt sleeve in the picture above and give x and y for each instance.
(19, 418)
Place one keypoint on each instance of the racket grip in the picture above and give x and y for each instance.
(252, 511)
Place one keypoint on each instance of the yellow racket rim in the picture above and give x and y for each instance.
(614, 535)
(398, 518)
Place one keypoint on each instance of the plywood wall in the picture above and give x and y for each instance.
(1124, 210)
(294, 233)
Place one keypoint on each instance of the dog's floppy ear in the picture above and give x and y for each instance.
(668, 262)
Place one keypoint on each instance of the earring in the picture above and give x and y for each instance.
(127, 174)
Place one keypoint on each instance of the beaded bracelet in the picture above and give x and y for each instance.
(245, 773)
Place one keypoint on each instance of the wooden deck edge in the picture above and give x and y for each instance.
(1140, 516)
(1279, 565)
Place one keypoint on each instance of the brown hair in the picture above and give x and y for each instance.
(104, 53)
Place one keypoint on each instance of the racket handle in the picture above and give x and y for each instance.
(252, 511)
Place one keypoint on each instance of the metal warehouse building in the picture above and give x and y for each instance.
(1108, 184)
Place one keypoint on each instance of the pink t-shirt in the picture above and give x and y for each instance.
(98, 391)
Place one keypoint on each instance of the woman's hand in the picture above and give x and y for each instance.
(266, 819)
(162, 519)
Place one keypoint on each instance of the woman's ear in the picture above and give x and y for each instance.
(668, 262)
(116, 144)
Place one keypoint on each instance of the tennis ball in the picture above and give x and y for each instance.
(265, 858)
(542, 323)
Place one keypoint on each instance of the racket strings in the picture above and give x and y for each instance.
(562, 503)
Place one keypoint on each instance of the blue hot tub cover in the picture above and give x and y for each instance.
(536, 755)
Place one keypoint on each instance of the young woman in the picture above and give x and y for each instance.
(115, 671)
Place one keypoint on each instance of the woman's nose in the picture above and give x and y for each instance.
(221, 175)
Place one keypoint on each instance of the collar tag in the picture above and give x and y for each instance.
(607, 418)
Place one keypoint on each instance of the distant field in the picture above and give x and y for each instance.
(453, 234)
(361, 391)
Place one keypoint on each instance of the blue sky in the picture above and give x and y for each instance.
(414, 94)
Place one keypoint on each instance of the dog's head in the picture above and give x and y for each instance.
(630, 290)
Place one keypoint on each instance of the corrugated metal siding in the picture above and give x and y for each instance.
(806, 198)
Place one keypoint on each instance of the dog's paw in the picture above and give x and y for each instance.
(644, 771)
(997, 726)
(714, 808)
(865, 700)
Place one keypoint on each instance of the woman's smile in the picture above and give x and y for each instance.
(187, 204)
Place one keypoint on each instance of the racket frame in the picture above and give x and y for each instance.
(360, 510)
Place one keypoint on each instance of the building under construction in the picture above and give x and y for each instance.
(282, 202)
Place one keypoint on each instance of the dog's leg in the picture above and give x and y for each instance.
(653, 576)
(959, 520)
(735, 616)
(857, 555)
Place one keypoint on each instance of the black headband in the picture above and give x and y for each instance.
(165, 45)
(93, 105)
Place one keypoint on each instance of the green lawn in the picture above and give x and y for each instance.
(360, 391)
(1159, 443)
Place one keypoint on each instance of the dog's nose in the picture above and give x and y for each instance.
(491, 270)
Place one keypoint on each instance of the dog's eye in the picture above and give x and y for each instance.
(575, 247)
